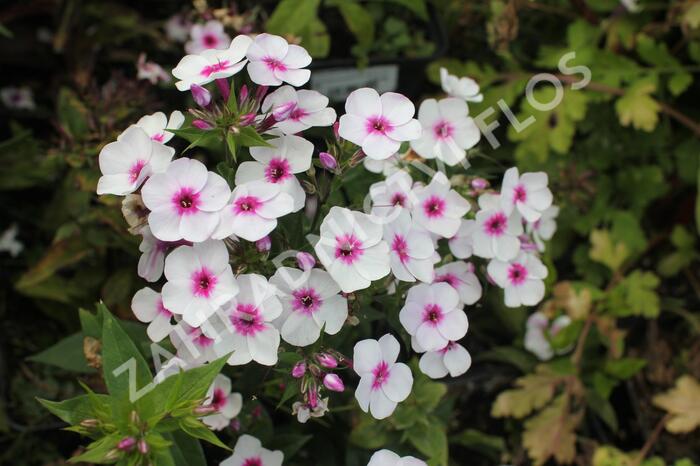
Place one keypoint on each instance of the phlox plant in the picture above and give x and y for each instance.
(271, 254)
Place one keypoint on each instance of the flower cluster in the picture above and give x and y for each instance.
(206, 235)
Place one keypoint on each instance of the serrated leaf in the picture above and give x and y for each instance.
(638, 108)
(605, 251)
(635, 295)
(533, 392)
(682, 402)
(551, 433)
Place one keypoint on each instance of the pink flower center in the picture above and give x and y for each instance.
(163, 310)
(443, 129)
(210, 40)
(202, 341)
(306, 300)
(186, 201)
(519, 194)
(517, 274)
(247, 320)
(277, 170)
(398, 199)
(381, 375)
(448, 347)
(432, 314)
(449, 278)
(274, 64)
(434, 207)
(218, 399)
(252, 461)
(158, 137)
(297, 114)
(203, 282)
(215, 68)
(246, 205)
(399, 246)
(135, 170)
(378, 125)
(496, 224)
(348, 248)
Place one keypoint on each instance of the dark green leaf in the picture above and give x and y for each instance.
(66, 354)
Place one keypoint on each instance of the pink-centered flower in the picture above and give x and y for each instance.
(177, 28)
(227, 404)
(391, 196)
(296, 111)
(148, 307)
(411, 249)
(463, 88)
(385, 167)
(209, 35)
(543, 229)
(128, 161)
(153, 250)
(496, 233)
(352, 250)
(250, 452)
(156, 125)
(539, 331)
(273, 61)
(462, 243)
(438, 208)
(200, 281)
(253, 211)
(151, 71)
(276, 165)
(453, 359)
(17, 98)
(460, 276)
(389, 458)
(432, 314)
(521, 279)
(246, 322)
(528, 194)
(311, 302)
(193, 347)
(206, 66)
(378, 124)
(448, 131)
(185, 201)
(383, 382)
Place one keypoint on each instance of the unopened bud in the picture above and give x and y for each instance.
(333, 382)
(247, 119)
(204, 410)
(203, 125)
(479, 184)
(299, 369)
(89, 423)
(328, 161)
(126, 444)
(260, 93)
(305, 261)
(327, 361)
(264, 244)
(142, 446)
(336, 125)
(201, 95)
(243, 95)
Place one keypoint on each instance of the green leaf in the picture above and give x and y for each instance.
(195, 428)
(490, 446)
(316, 39)
(697, 203)
(359, 21)
(66, 354)
(430, 439)
(292, 16)
(418, 7)
(520, 359)
(248, 137)
(74, 410)
(72, 114)
(606, 251)
(638, 108)
(290, 444)
(98, 450)
(624, 368)
(635, 295)
(602, 408)
(369, 433)
(186, 450)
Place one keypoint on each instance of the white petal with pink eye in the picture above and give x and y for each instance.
(461, 244)
(273, 61)
(432, 364)
(496, 233)
(437, 208)
(457, 359)
(363, 393)
(152, 260)
(389, 458)
(263, 346)
(209, 35)
(204, 66)
(461, 277)
(521, 278)
(399, 383)
(367, 354)
(390, 348)
(392, 195)
(250, 452)
(411, 249)
(528, 194)
(148, 307)
(380, 406)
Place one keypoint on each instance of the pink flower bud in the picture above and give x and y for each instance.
(332, 382)
(126, 444)
(336, 125)
(203, 125)
(247, 119)
(204, 410)
(264, 244)
(235, 425)
(299, 369)
(143, 447)
(224, 88)
(283, 111)
(243, 95)
(201, 96)
(305, 261)
(328, 161)
(480, 184)
(312, 396)
(260, 93)
(327, 361)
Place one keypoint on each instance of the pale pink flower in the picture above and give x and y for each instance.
(385, 167)
(453, 359)
(448, 131)
(539, 331)
(128, 161)
(148, 307)
(464, 88)
(249, 452)
(156, 125)
(277, 164)
(184, 201)
(411, 249)
(253, 211)
(209, 35)
(150, 71)
(304, 411)
(460, 276)
(496, 233)
(389, 458)
(177, 28)
(462, 243)
(391, 196)
(437, 208)
(543, 229)
(333, 383)
(298, 110)
(432, 314)
(193, 346)
(521, 278)
(150, 266)
(227, 404)
(352, 250)
(311, 301)
(528, 194)
(200, 281)
(272, 61)
(383, 382)
(378, 124)
(206, 66)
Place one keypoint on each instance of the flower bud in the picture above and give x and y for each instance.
(142, 446)
(312, 397)
(126, 444)
(264, 244)
(201, 95)
(328, 161)
(247, 119)
(305, 261)
(89, 423)
(203, 125)
(283, 111)
(299, 369)
(327, 361)
(243, 95)
(260, 93)
(334, 383)
(479, 184)
(204, 410)
(336, 125)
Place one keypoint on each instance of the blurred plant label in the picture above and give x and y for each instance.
(339, 82)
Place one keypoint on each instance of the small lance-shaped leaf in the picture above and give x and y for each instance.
(534, 391)
(248, 137)
(638, 108)
(604, 251)
(683, 404)
(74, 410)
(97, 452)
(429, 438)
(66, 354)
(72, 114)
(551, 433)
(195, 428)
